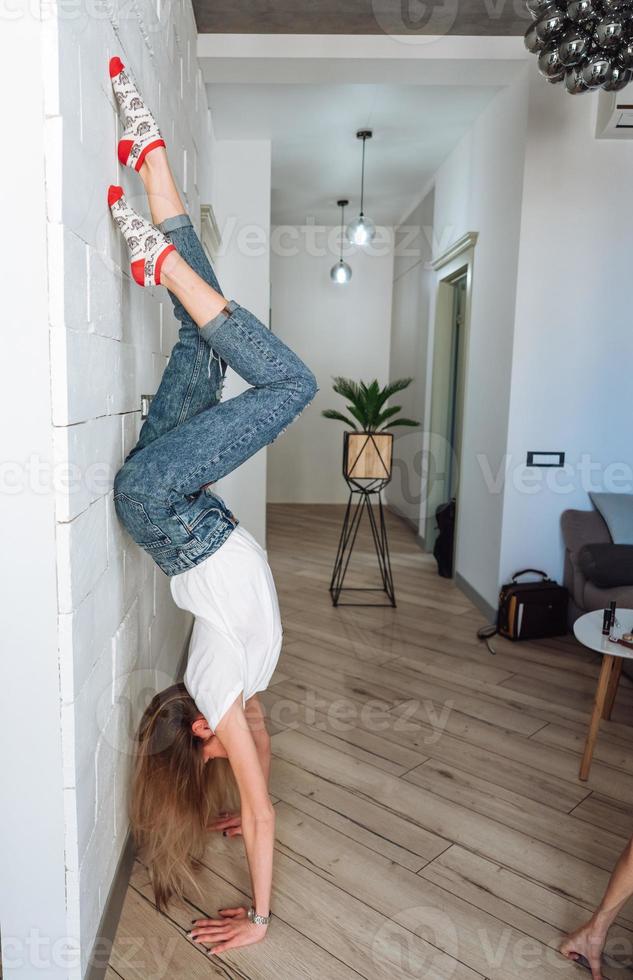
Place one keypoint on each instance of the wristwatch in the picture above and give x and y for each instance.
(258, 920)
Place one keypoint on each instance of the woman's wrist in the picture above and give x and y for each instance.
(602, 920)
(259, 918)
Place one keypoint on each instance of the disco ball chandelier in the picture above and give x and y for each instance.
(586, 44)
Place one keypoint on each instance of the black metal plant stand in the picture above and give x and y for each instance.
(360, 501)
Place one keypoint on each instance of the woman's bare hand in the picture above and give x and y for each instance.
(232, 930)
(229, 823)
(586, 943)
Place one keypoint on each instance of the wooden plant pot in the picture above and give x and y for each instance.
(367, 455)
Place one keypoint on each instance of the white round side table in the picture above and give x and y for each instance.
(588, 631)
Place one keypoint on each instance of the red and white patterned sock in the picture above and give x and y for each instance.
(148, 246)
(141, 134)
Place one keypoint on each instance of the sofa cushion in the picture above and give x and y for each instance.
(617, 510)
(595, 598)
(574, 580)
(580, 527)
(607, 565)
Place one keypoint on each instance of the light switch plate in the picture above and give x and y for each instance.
(535, 458)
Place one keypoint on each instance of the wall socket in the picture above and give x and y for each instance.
(146, 401)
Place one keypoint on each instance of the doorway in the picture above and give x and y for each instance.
(456, 384)
(447, 400)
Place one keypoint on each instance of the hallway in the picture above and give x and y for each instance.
(430, 821)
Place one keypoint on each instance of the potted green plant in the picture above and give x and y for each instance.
(368, 448)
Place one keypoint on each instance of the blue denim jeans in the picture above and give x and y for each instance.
(190, 438)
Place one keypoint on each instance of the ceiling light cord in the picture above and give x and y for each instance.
(342, 228)
(362, 180)
(341, 272)
(362, 230)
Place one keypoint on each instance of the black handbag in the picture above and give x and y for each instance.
(443, 549)
(529, 610)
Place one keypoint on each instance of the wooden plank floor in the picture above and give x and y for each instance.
(430, 821)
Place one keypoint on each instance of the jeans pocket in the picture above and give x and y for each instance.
(139, 524)
(202, 515)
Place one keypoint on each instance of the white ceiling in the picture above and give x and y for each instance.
(316, 156)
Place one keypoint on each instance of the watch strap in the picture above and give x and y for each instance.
(258, 920)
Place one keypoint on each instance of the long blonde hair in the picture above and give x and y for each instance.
(175, 793)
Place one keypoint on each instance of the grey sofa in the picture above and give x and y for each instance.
(581, 527)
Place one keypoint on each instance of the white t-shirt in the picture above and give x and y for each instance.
(237, 634)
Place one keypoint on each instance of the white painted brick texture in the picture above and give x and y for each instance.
(119, 630)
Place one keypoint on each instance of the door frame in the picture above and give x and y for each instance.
(453, 264)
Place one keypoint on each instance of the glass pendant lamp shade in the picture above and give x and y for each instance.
(341, 273)
(362, 230)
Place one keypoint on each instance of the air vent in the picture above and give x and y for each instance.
(615, 115)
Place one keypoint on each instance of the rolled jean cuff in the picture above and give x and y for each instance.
(209, 328)
(172, 224)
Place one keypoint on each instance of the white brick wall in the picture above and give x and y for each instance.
(109, 343)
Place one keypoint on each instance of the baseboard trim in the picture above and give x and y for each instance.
(102, 948)
(471, 593)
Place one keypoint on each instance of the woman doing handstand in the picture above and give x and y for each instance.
(163, 496)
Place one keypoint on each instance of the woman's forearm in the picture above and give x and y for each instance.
(259, 840)
(257, 812)
(263, 754)
(619, 890)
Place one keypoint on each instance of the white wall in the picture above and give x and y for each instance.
(241, 196)
(479, 188)
(573, 346)
(550, 344)
(413, 280)
(336, 330)
(117, 630)
(32, 880)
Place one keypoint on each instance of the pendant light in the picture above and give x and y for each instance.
(341, 272)
(362, 231)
